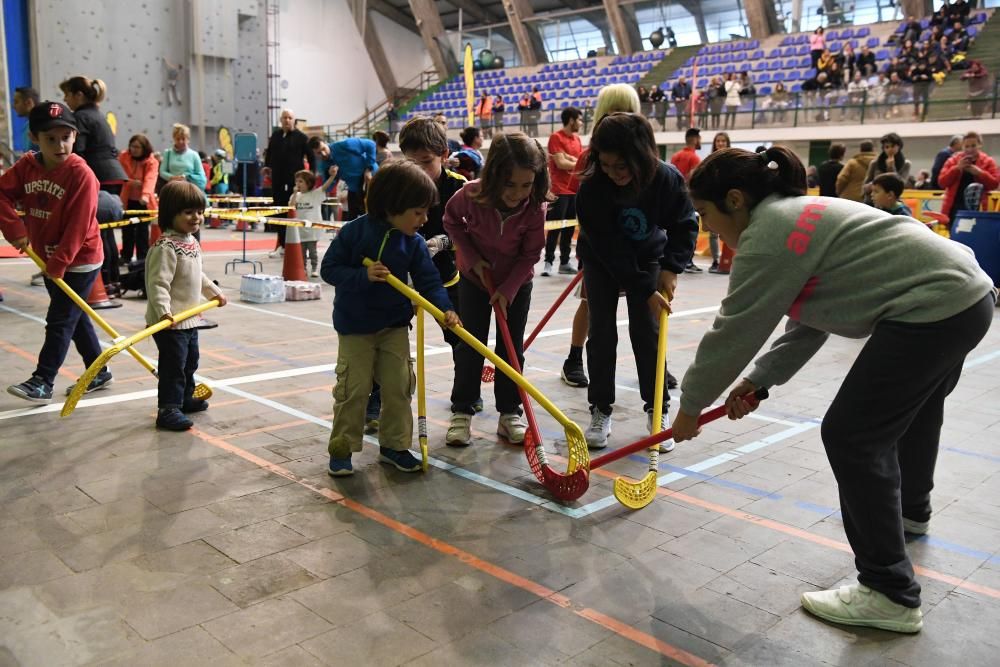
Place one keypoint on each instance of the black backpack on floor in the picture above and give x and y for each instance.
(135, 279)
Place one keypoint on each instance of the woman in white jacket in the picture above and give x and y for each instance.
(733, 101)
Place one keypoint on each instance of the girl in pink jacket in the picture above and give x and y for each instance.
(497, 224)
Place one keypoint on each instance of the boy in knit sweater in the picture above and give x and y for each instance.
(175, 283)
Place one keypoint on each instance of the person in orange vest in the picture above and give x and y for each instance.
(484, 112)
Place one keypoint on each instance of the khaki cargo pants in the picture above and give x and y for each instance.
(361, 359)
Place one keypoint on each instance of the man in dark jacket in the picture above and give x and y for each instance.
(830, 170)
(681, 95)
(953, 146)
(286, 150)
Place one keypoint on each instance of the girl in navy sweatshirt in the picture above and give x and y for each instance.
(835, 266)
(637, 233)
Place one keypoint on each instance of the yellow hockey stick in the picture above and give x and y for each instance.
(126, 344)
(578, 457)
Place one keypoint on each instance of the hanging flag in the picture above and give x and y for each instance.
(470, 85)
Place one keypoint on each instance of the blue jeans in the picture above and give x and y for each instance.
(65, 322)
(177, 363)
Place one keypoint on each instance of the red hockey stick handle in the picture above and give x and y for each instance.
(551, 311)
(647, 442)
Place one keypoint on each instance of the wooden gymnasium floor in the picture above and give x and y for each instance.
(229, 544)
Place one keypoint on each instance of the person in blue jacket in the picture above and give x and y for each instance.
(353, 161)
(372, 318)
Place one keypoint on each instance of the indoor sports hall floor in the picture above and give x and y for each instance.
(230, 545)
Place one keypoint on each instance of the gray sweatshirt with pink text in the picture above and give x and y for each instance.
(832, 266)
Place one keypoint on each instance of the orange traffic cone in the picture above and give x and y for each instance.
(726, 258)
(98, 297)
(154, 233)
(294, 267)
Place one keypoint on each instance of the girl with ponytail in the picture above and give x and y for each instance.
(835, 266)
(95, 143)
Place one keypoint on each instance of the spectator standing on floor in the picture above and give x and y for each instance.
(970, 165)
(499, 108)
(138, 193)
(353, 160)
(564, 150)
(890, 160)
(382, 152)
(686, 159)
(942, 156)
(484, 112)
(287, 154)
(830, 170)
(95, 143)
(851, 180)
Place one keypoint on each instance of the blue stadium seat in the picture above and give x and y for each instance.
(882, 54)
(796, 88)
(847, 33)
(760, 66)
(831, 34)
(775, 64)
(863, 32)
(778, 76)
(788, 51)
(763, 78)
(765, 90)
(872, 42)
(740, 57)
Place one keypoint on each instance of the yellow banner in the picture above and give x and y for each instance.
(470, 88)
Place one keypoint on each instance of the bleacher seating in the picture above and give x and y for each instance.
(562, 84)
(577, 82)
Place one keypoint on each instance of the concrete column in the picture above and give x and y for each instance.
(694, 9)
(632, 27)
(373, 45)
(619, 27)
(435, 40)
(762, 17)
(917, 8)
(528, 41)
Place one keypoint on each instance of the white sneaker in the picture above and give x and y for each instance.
(277, 252)
(667, 445)
(459, 430)
(547, 269)
(859, 605)
(512, 427)
(314, 273)
(37, 280)
(599, 430)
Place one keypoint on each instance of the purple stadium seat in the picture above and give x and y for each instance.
(764, 78)
(863, 32)
(765, 90)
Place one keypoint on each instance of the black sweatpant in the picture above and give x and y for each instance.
(881, 435)
(563, 208)
(135, 238)
(476, 316)
(602, 343)
(177, 363)
(66, 323)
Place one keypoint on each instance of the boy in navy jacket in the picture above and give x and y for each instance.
(372, 318)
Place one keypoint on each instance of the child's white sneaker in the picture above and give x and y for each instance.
(512, 427)
(597, 433)
(667, 445)
(459, 430)
(859, 605)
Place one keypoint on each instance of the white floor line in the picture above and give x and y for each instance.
(663, 480)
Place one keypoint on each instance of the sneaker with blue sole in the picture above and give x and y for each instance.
(34, 389)
(402, 459)
(102, 380)
(340, 467)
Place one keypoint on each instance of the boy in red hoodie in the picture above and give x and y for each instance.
(58, 193)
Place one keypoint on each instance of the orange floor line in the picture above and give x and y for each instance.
(447, 549)
(798, 532)
(24, 354)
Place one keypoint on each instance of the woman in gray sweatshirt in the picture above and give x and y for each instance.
(840, 267)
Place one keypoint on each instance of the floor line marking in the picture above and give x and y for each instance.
(445, 548)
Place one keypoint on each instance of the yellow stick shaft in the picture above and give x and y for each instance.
(661, 363)
(421, 390)
(85, 307)
(414, 296)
